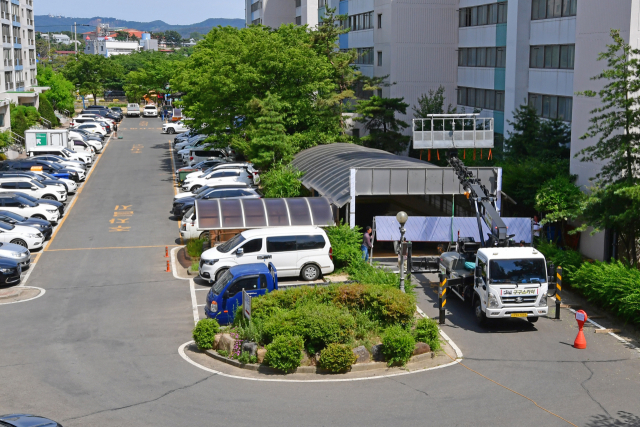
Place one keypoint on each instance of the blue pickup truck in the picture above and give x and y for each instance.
(225, 295)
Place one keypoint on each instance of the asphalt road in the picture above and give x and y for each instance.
(100, 348)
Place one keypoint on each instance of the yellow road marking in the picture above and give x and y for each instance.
(112, 247)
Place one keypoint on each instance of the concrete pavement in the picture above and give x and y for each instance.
(100, 348)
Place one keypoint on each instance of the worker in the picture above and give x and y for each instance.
(366, 243)
(536, 227)
(522, 243)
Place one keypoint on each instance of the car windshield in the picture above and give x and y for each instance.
(517, 271)
(37, 184)
(201, 190)
(5, 226)
(27, 200)
(230, 244)
(46, 175)
(14, 216)
(222, 283)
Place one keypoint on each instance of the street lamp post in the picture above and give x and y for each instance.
(402, 218)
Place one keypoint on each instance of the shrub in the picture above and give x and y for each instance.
(337, 358)
(381, 303)
(362, 272)
(223, 353)
(346, 243)
(248, 330)
(397, 345)
(281, 181)
(427, 331)
(568, 259)
(614, 286)
(194, 247)
(205, 332)
(244, 357)
(284, 353)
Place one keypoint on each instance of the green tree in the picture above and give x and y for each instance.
(432, 103)
(282, 181)
(61, 93)
(92, 73)
(153, 74)
(384, 128)
(526, 132)
(559, 199)
(23, 118)
(173, 38)
(615, 124)
(46, 111)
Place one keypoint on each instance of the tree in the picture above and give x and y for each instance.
(173, 38)
(615, 124)
(559, 199)
(432, 103)
(23, 118)
(196, 36)
(46, 111)
(282, 181)
(61, 93)
(92, 73)
(526, 132)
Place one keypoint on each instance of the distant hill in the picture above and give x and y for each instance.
(46, 23)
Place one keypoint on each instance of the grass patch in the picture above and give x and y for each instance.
(194, 247)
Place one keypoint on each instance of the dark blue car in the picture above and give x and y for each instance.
(26, 420)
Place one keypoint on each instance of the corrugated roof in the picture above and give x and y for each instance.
(326, 167)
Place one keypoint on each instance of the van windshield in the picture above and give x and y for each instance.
(517, 271)
(222, 283)
(230, 244)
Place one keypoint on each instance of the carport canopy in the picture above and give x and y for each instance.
(227, 214)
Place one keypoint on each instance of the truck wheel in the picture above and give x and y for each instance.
(220, 273)
(532, 319)
(310, 272)
(481, 317)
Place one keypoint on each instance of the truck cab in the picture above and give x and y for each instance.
(225, 295)
(510, 282)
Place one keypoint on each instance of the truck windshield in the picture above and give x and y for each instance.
(517, 271)
(219, 286)
(230, 244)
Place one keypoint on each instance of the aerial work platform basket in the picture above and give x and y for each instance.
(443, 131)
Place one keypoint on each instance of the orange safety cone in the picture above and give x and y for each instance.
(168, 267)
(166, 251)
(581, 341)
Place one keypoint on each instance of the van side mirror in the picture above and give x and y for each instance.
(240, 251)
(225, 295)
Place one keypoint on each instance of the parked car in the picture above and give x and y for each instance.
(26, 420)
(58, 160)
(227, 176)
(117, 110)
(294, 251)
(51, 203)
(28, 185)
(222, 165)
(15, 252)
(53, 169)
(174, 127)
(133, 110)
(209, 187)
(104, 112)
(43, 178)
(225, 295)
(10, 274)
(86, 134)
(15, 203)
(27, 237)
(150, 111)
(43, 226)
(189, 142)
(92, 126)
(181, 206)
(62, 152)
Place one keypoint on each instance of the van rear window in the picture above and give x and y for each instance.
(306, 243)
(281, 244)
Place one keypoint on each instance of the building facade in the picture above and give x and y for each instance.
(107, 47)
(18, 77)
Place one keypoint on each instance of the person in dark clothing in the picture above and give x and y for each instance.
(366, 244)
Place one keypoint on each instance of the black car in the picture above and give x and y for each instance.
(50, 168)
(40, 224)
(181, 206)
(104, 113)
(10, 272)
(58, 205)
(26, 420)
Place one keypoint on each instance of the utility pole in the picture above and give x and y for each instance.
(75, 37)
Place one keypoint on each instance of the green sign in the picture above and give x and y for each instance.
(41, 139)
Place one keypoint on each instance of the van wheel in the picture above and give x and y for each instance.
(20, 242)
(49, 197)
(171, 131)
(204, 236)
(220, 273)
(310, 272)
(481, 317)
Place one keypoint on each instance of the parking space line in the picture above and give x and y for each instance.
(111, 247)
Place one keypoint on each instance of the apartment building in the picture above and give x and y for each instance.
(18, 76)
(273, 13)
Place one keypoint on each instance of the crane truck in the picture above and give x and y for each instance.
(497, 277)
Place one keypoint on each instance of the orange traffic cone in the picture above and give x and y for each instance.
(581, 341)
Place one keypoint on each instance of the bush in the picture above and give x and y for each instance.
(362, 272)
(346, 243)
(284, 353)
(281, 181)
(381, 303)
(568, 259)
(46, 110)
(245, 358)
(427, 331)
(205, 332)
(194, 247)
(337, 358)
(223, 353)
(614, 286)
(397, 345)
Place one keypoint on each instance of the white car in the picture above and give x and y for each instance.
(248, 167)
(208, 187)
(62, 152)
(75, 165)
(174, 127)
(97, 145)
(150, 111)
(133, 110)
(94, 127)
(190, 142)
(27, 237)
(225, 176)
(294, 251)
(21, 206)
(28, 185)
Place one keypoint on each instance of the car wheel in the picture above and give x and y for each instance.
(220, 273)
(49, 197)
(481, 317)
(20, 242)
(532, 319)
(195, 187)
(38, 216)
(171, 131)
(310, 272)
(205, 236)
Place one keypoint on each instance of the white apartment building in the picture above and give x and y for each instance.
(18, 77)
(107, 47)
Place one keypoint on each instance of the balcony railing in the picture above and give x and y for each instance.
(15, 18)
(8, 85)
(5, 15)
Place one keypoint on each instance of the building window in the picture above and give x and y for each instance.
(379, 59)
(1, 119)
(552, 56)
(256, 6)
(493, 57)
(487, 14)
(322, 3)
(551, 106)
(488, 99)
(298, 20)
(549, 9)
(361, 21)
(365, 55)
(256, 21)
(298, 3)
(379, 20)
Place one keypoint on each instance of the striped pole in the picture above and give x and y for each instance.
(558, 289)
(442, 297)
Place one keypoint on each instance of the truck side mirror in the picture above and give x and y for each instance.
(478, 271)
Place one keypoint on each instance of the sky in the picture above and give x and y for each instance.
(175, 12)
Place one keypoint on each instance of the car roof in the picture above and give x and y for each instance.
(282, 231)
(247, 269)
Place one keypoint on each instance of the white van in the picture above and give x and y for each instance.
(60, 151)
(295, 251)
(133, 110)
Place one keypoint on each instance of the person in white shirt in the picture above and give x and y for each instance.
(536, 227)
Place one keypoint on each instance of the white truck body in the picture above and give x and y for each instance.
(44, 137)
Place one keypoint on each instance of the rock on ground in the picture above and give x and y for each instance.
(362, 354)
(421, 348)
(226, 343)
(260, 354)
(376, 353)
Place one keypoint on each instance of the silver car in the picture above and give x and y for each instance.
(16, 253)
